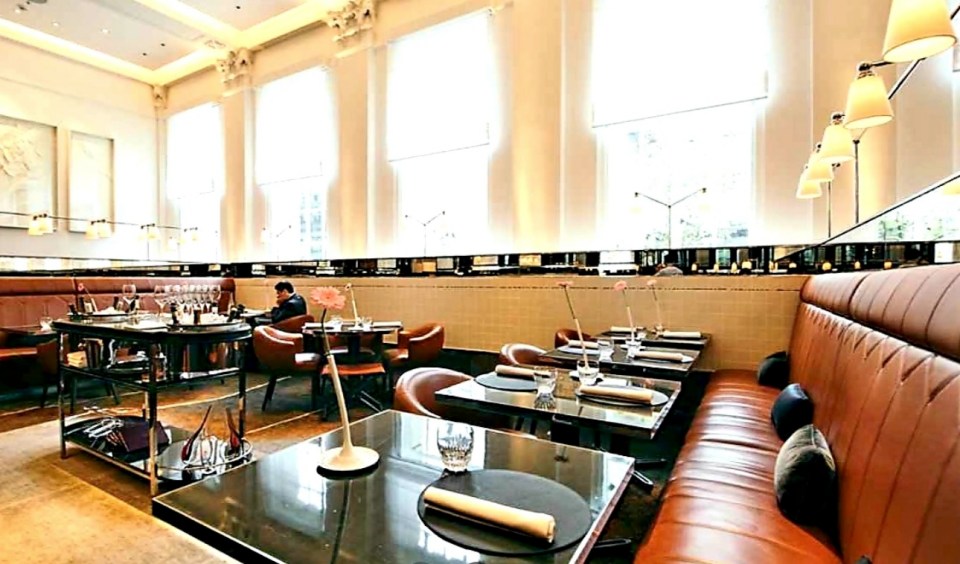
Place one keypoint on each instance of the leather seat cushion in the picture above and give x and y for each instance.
(397, 356)
(365, 369)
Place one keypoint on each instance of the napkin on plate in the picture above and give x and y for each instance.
(658, 355)
(515, 371)
(577, 344)
(638, 395)
(620, 329)
(681, 335)
(531, 523)
(388, 324)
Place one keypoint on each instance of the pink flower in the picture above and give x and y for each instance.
(620, 286)
(327, 297)
(565, 284)
(651, 283)
(81, 287)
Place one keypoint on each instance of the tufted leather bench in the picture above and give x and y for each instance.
(878, 353)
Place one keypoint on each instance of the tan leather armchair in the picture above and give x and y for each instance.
(281, 354)
(293, 324)
(519, 354)
(418, 347)
(564, 336)
(416, 391)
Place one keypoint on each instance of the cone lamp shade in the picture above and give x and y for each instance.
(808, 189)
(917, 29)
(103, 229)
(818, 170)
(93, 232)
(35, 228)
(867, 102)
(837, 144)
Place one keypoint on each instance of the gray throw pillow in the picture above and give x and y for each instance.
(805, 478)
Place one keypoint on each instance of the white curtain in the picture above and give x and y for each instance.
(440, 88)
(653, 58)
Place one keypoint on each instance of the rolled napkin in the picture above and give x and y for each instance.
(620, 329)
(638, 395)
(515, 371)
(388, 324)
(577, 344)
(530, 523)
(681, 335)
(658, 355)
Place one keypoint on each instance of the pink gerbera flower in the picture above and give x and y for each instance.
(620, 286)
(565, 284)
(328, 297)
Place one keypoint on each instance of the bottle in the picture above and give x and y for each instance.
(174, 314)
(73, 310)
(116, 303)
(196, 316)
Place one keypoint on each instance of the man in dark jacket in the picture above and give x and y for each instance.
(289, 303)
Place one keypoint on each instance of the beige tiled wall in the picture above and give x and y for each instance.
(748, 317)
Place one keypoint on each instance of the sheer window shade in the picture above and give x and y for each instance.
(656, 58)
(440, 88)
(195, 152)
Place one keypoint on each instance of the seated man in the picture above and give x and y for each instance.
(669, 267)
(289, 303)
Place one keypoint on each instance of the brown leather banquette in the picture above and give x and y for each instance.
(878, 353)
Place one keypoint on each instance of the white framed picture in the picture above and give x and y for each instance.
(90, 179)
(28, 170)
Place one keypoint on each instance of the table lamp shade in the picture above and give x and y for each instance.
(917, 29)
(837, 144)
(867, 102)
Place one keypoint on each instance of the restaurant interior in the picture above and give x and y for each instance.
(457, 281)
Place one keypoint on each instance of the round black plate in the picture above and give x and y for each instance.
(516, 489)
(659, 398)
(506, 383)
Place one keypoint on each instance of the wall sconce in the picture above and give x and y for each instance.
(887, 264)
(734, 268)
(837, 144)
(867, 102)
(189, 235)
(826, 266)
(746, 265)
(857, 265)
(40, 224)
(149, 232)
(98, 229)
(917, 29)
(694, 267)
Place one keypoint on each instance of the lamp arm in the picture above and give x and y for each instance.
(690, 195)
(652, 199)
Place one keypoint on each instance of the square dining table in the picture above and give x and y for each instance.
(620, 363)
(279, 509)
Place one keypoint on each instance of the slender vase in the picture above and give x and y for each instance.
(345, 458)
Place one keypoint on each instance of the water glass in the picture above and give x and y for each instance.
(366, 323)
(546, 380)
(46, 324)
(455, 443)
(588, 371)
(606, 348)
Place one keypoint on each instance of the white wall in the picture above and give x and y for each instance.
(45, 88)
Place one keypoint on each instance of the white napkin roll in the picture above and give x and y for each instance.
(388, 324)
(639, 395)
(658, 355)
(518, 371)
(531, 523)
(577, 344)
(620, 329)
(681, 335)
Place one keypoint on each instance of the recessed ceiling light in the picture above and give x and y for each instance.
(163, 44)
(56, 24)
(20, 9)
(143, 54)
(105, 31)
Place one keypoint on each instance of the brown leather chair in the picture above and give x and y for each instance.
(281, 354)
(415, 394)
(293, 324)
(519, 354)
(418, 347)
(564, 336)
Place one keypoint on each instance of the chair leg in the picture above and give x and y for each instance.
(43, 394)
(112, 390)
(269, 393)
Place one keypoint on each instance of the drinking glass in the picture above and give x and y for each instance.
(455, 443)
(588, 371)
(160, 296)
(366, 323)
(545, 379)
(46, 324)
(606, 348)
(129, 292)
(214, 293)
(336, 322)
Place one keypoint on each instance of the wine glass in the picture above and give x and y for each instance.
(214, 292)
(129, 292)
(160, 296)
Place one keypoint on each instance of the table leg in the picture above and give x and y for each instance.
(60, 391)
(150, 399)
(242, 403)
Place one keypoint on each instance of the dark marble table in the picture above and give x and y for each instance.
(27, 335)
(619, 363)
(641, 421)
(651, 340)
(278, 509)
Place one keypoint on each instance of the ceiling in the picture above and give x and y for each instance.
(154, 41)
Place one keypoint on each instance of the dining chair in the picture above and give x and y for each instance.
(520, 354)
(415, 348)
(415, 393)
(564, 336)
(293, 324)
(282, 354)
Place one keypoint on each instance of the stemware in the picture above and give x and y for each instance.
(129, 292)
(160, 296)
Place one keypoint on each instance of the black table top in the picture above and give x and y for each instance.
(348, 329)
(619, 362)
(28, 335)
(280, 509)
(640, 420)
(651, 340)
(187, 333)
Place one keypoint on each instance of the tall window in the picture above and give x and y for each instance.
(677, 91)
(439, 108)
(295, 150)
(195, 173)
